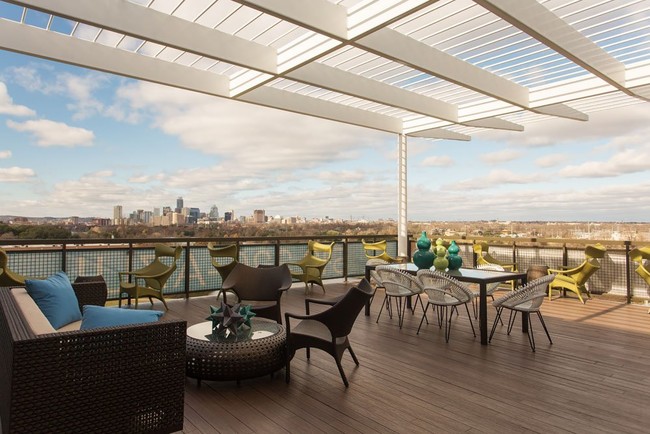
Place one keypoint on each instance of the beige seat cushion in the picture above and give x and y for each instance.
(36, 321)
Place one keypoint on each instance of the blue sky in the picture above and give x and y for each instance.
(78, 142)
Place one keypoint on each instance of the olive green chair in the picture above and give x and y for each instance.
(483, 257)
(312, 264)
(376, 252)
(639, 256)
(8, 277)
(575, 279)
(150, 280)
(223, 258)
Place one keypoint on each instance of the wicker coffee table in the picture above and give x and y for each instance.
(252, 353)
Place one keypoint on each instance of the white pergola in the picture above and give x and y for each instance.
(434, 69)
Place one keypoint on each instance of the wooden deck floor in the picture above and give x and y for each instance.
(594, 378)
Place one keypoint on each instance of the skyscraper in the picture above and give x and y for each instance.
(117, 214)
(259, 216)
(179, 203)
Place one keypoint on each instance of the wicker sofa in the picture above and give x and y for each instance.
(114, 379)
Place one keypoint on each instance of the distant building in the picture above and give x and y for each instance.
(179, 204)
(214, 212)
(259, 216)
(193, 215)
(166, 210)
(228, 216)
(156, 212)
(117, 215)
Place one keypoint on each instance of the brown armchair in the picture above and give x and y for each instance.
(261, 285)
(328, 330)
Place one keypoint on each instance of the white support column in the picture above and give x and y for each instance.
(402, 221)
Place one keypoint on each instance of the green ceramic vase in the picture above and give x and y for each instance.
(455, 260)
(423, 257)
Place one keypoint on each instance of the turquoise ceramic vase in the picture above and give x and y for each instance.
(455, 260)
(423, 257)
(441, 263)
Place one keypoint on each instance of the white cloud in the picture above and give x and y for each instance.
(617, 123)
(5, 154)
(49, 133)
(7, 106)
(245, 137)
(493, 179)
(551, 160)
(340, 176)
(500, 156)
(631, 160)
(16, 174)
(438, 161)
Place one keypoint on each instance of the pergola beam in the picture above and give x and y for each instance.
(335, 79)
(440, 133)
(540, 23)
(145, 23)
(53, 46)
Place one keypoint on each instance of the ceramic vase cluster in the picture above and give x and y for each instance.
(440, 257)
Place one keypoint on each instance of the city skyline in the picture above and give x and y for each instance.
(77, 142)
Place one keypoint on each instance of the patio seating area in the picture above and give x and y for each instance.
(593, 378)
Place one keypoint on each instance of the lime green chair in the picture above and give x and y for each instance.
(639, 256)
(575, 279)
(312, 264)
(223, 259)
(150, 280)
(376, 252)
(8, 277)
(483, 257)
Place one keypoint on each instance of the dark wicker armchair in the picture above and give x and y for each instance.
(117, 379)
(264, 285)
(328, 330)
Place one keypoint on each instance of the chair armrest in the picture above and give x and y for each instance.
(323, 301)
(564, 271)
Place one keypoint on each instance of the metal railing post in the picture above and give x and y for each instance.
(187, 270)
(276, 253)
(64, 261)
(565, 256)
(130, 253)
(628, 276)
(345, 258)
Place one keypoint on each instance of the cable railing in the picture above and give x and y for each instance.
(195, 274)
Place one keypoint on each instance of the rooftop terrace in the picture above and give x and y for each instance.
(594, 378)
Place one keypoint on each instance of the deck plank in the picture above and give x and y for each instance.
(594, 378)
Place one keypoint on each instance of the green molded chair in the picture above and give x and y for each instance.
(639, 256)
(312, 265)
(376, 252)
(575, 279)
(8, 277)
(150, 280)
(483, 257)
(223, 259)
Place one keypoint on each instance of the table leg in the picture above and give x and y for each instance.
(482, 313)
(524, 315)
(367, 310)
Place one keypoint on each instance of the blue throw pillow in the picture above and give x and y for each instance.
(55, 298)
(99, 316)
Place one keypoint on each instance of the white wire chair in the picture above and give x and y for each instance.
(526, 299)
(444, 292)
(398, 285)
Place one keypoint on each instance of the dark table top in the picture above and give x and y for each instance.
(472, 275)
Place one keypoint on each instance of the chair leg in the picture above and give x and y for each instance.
(383, 306)
(343, 377)
(539, 315)
(308, 352)
(531, 336)
(470, 319)
(354, 357)
(511, 320)
(494, 326)
(403, 306)
(164, 302)
(422, 320)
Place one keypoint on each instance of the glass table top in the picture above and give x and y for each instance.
(261, 328)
